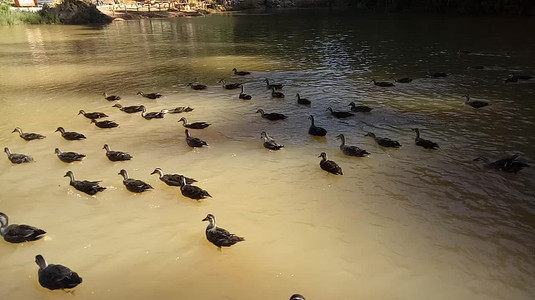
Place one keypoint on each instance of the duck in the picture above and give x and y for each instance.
(19, 233)
(191, 191)
(28, 136)
(150, 95)
(55, 277)
(17, 158)
(359, 108)
(194, 142)
(508, 164)
(351, 150)
(515, 78)
(402, 80)
(340, 114)
(385, 142)
(315, 130)
(134, 185)
(382, 83)
(111, 97)
(197, 86)
(68, 157)
(244, 96)
(152, 115)
(302, 101)
(427, 144)
(230, 86)
(273, 86)
(129, 109)
(116, 155)
(104, 124)
(194, 125)
(271, 116)
(88, 187)
(270, 143)
(70, 135)
(180, 109)
(92, 115)
(438, 74)
(511, 78)
(172, 179)
(240, 73)
(476, 103)
(276, 94)
(219, 236)
(329, 165)
(476, 67)
(297, 297)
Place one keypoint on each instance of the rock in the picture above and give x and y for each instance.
(75, 12)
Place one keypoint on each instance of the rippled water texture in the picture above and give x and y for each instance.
(401, 224)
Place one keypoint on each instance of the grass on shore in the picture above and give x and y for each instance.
(16, 17)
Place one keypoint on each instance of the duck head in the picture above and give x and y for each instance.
(157, 170)
(323, 155)
(234, 70)
(123, 173)
(117, 105)
(352, 104)
(40, 261)
(183, 120)
(81, 112)
(140, 93)
(467, 96)
(6, 150)
(370, 134)
(143, 109)
(210, 218)
(93, 121)
(17, 129)
(3, 220)
(297, 297)
(57, 151)
(221, 81)
(263, 135)
(61, 130)
(106, 147)
(70, 175)
(329, 109)
(261, 111)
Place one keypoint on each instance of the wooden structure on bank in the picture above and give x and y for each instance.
(180, 5)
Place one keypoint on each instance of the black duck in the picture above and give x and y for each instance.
(18, 233)
(244, 96)
(270, 143)
(276, 94)
(297, 297)
(104, 124)
(17, 158)
(55, 277)
(515, 78)
(92, 115)
(28, 136)
(230, 86)
(152, 115)
(329, 165)
(134, 185)
(88, 187)
(172, 179)
(385, 142)
(270, 86)
(197, 86)
(240, 73)
(351, 150)
(427, 144)
(476, 103)
(111, 97)
(340, 114)
(382, 83)
(191, 191)
(180, 109)
(438, 75)
(271, 116)
(402, 80)
(302, 101)
(194, 125)
(129, 109)
(193, 141)
(150, 95)
(70, 135)
(219, 236)
(508, 164)
(359, 108)
(116, 155)
(68, 157)
(315, 130)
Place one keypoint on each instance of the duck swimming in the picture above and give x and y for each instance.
(88, 187)
(55, 277)
(230, 86)
(271, 116)
(194, 142)
(329, 165)
(111, 97)
(68, 157)
(19, 233)
(150, 95)
(70, 135)
(276, 94)
(152, 115)
(315, 130)
(385, 142)
(243, 95)
(191, 191)
(508, 164)
(382, 83)
(297, 297)
(195, 125)
(116, 155)
(17, 158)
(427, 144)
(438, 74)
(476, 103)
(340, 114)
(134, 185)
(129, 109)
(172, 179)
(92, 115)
(359, 108)
(104, 124)
(270, 143)
(302, 101)
(515, 78)
(180, 109)
(402, 80)
(197, 86)
(219, 236)
(28, 136)
(351, 150)
(273, 86)
(240, 73)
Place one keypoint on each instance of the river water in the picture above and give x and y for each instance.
(404, 223)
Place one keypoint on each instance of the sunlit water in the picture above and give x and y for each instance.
(401, 224)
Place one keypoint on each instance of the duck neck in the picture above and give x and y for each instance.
(7, 151)
(125, 175)
(467, 98)
(417, 133)
(183, 120)
(211, 226)
(160, 173)
(41, 262)
(242, 89)
(187, 133)
(261, 112)
(343, 138)
(3, 222)
(19, 131)
(324, 158)
(312, 120)
(71, 176)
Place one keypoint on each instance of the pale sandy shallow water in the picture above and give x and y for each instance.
(400, 224)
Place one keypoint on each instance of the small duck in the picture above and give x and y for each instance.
(385, 142)
(244, 96)
(55, 277)
(438, 75)
(68, 157)
(230, 86)
(359, 108)
(273, 86)
(191, 191)
(116, 155)
(476, 103)
(240, 73)
(329, 165)
(270, 143)
(508, 164)
(104, 124)
(19, 233)
(150, 95)
(70, 135)
(302, 101)
(315, 130)
(476, 67)
(515, 78)
(17, 158)
(382, 83)
(172, 179)
(194, 125)
(271, 116)
(297, 297)
(111, 97)
(197, 86)
(402, 80)
(219, 236)
(152, 115)
(511, 78)
(276, 94)
(129, 109)
(193, 141)
(92, 115)
(340, 114)
(179, 110)
(28, 136)
(88, 187)
(134, 185)
(351, 150)
(427, 144)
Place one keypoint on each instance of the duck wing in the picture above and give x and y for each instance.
(194, 192)
(70, 156)
(271, 144)
(20, 158)
(118, 155)
(22, 233)
(88, 187)
(317, 131)
(135, 185)
(175, 179)
(71, 135)
(331, 167)
(386, 142)
(32, 136)
(58, 277)
(354, 151)
(222, 238)
(427, 144)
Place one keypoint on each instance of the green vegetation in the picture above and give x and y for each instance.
(14, 17)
